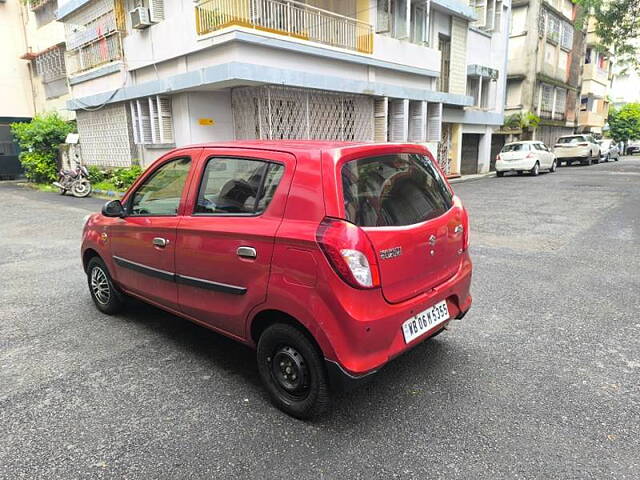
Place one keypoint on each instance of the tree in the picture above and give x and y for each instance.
(624, 124)
(39, 140)
(618, 27)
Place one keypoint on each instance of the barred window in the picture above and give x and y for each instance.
(50, 64)
(560, 104)
(567, 36)
(546, 100)
(553, 30)
(152, 120)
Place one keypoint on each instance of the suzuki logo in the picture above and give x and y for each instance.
(432, 240)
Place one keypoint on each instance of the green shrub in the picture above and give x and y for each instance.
(96, 174)
(39, 167)
(123, 178)
(39, 140)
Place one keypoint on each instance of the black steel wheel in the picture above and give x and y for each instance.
(293, 372)
(105, 295)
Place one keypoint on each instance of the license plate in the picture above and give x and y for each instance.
(425, 321)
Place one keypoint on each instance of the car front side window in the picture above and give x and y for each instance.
(161, 192)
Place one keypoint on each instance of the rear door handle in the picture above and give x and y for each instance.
(160, 242)
(246, 252)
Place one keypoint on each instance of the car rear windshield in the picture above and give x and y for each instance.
(516, 147)
(393, 190)
(571, 140)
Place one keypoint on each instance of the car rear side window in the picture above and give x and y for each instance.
(516, 147)
(393, 190)
(237, 186)
(576, 139)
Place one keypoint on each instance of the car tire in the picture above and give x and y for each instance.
(568, 163)
(107, 298)
(553, 167)
(293, 372)
(535, 170)
(606, 158)
(499, 174)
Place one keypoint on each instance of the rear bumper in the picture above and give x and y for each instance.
(341, 380)
(369, 333)
(572, 155)
(512, 165)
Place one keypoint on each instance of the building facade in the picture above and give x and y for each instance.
(546, 57)
(16, 95)
(44, 54)
(149, 75)
(597, 75)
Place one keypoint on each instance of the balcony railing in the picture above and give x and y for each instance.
(104, 49)
(37, 4)
(286, 17)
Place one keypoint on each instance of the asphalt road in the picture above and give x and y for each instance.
(540, 380)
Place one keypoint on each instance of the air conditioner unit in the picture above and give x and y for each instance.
(140, 18)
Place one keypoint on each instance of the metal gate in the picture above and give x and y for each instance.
(444, 147)
(274, 113)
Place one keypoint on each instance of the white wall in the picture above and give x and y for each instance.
(16, 96)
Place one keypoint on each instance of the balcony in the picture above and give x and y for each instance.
(592, 72)
(100, 51)
(286, 17)
(591, 119)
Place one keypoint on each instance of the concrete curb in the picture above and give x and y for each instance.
(472, 178)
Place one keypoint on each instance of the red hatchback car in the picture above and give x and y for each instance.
(329, 258)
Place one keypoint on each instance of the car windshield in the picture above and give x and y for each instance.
(516, 147)
(571, 139)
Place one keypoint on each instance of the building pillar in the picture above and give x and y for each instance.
(455, 154)
(484, 151)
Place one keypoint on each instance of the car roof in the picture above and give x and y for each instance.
(297, 146)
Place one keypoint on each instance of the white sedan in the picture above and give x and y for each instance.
(526, 156)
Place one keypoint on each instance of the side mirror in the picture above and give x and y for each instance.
(113, 208)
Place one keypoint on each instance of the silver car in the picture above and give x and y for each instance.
(609, 150)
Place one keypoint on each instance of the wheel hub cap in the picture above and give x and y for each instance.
(290, 370)
(100, 286)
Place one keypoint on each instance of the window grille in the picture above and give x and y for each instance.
(37, 4)
(553, 32)
(273, 112)
(105, 136)
(50, 65)
(152, 120)
(546, 100)
(560, 104)
(95, 20)
(567, 36)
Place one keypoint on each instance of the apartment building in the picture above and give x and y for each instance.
(149, 75)
(44, 53)
(16, 97)
(597, 74)
(546, 55)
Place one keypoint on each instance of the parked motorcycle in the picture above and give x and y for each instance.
(76, 181)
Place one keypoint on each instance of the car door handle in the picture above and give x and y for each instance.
(246, 252)
(160, 242)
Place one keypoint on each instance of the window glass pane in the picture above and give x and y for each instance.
(160, 194)
(393, 190)
(235, 186)
(271, 182)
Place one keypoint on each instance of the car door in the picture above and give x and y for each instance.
(225, 242)
(548, 156)
(143, 242)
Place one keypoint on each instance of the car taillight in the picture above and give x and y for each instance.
(530, 155)
(349, 252)
(497, 157)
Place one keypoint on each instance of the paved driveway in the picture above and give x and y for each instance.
(540, 380)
